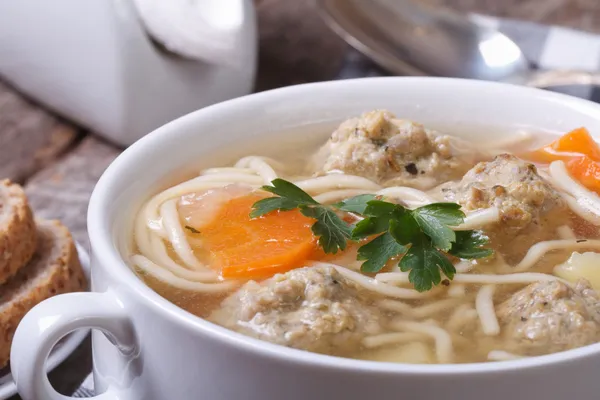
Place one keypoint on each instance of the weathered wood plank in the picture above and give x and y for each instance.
(62, 191)
(30, 138)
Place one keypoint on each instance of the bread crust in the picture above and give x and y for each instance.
(18, 237)
(54, 269)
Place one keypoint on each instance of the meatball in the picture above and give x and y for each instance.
(530, 208)
(311, 308)
(391, 152)
(547, 317)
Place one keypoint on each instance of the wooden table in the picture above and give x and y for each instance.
(59, 163)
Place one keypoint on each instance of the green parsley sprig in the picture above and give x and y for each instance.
(423, 237)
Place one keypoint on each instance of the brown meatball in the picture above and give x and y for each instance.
(530, 208)
(547, 317)
(391, 151)
(311, 308)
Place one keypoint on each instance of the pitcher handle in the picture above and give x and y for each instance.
(51, 320)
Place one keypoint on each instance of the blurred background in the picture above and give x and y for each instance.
(73, 95)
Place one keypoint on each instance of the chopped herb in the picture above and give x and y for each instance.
(192, 229)
(423, 237)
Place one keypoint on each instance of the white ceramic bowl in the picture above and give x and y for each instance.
(152, 350)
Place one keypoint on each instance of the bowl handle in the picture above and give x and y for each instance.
(54, 318)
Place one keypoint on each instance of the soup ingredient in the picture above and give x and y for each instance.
(17, 229)
(199, 208)
(54, 269)
(551, 316)
(418, 234)
(331, 230)
(241, 247)
(574, 144)
(514, 187)
(312, 308)
(391, 151)
(421, 235)
(530, 208)
(581, 266)
(586, 171)
(581, 154)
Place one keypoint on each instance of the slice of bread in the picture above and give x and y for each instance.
(17, 230)
(54, 269)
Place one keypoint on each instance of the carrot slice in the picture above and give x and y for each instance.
(586, 171)
(573, 144)
(244, 248)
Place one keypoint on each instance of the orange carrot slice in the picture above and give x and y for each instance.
(586, 171)
(244, 248)
(572, 145)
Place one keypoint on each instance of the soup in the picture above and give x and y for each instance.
(389, 242)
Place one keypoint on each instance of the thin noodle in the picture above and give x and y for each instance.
(374, 285)
(484, 304)
(336, 182)
(162, 258)
(462, 315)
(337, 195)
(501, 355)
(538, 250)
(457, 290)
(260, 166)
(584, 197)
(167, 277)
(565, 232)
(227, 170)
(168, 212)
(443, 342)
(479, 218)
(518, 278)
(434, 308)
(385, 339)
(397, 306)
(406, 193)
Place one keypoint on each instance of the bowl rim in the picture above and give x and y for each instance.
(104, 249)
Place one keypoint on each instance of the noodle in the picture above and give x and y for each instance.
(374, 285)
(177, 237)
(584, 197)
(161, 274)
(385, 339)
(460, 317)
(501, 355)
(443, 342)
(260, 166)
(538, 250)
(519, 278)
(484, 304)
(336, 181)
(397, 306)
(565, 232)
(479, 218)
(433, 308)
(337, 195)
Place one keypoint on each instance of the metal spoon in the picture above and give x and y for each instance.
(412, 39)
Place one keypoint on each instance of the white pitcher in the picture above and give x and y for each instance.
(98, 62)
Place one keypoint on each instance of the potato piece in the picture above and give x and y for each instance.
(578, 266)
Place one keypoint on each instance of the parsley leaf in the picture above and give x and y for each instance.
(356, 204)
(423, 236)
(329, 228)
(378, 215)
(285, 189)
(378, 252)
(434, 220)
(424, 263)
(468, 245)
